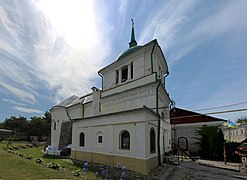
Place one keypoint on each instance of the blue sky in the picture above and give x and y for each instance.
(52, 49)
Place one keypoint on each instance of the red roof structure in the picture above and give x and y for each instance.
(182, 116)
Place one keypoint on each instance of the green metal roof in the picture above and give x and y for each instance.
(129, 51)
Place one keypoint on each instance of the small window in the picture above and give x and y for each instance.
(131, 71)
(124, 73)
(82, 139)
(152, 140)
(117, 76)
(100, 139)
(124, 140)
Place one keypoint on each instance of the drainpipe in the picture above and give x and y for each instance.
(68, 114)
(152, 69)
(101, 80)
(165, 77)
(82, 116)
(157, 111)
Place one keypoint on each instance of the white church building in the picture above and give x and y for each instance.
(127, 121)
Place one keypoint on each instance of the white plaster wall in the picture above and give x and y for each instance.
(88, 110)
(111, 126)
(236, 134)
(127, 100)
(140, 143)
(189, 131)
(111, 79)
(190, 134)
(75, 111)
(58, 115)
(147, 62)
(138, 66)
(130, 85)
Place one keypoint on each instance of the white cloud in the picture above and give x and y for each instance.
(27, 110)
(24, 96)
(13, 102)
(180, 26)
(61, 47)
(122, 9)
(70, 63)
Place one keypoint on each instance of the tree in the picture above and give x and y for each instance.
(242, 120)
(18, 124)
(47, 118)
(1, 125)
(37, 126)
(211, 141)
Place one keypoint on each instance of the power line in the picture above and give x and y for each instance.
(218, 107)
(210, 113)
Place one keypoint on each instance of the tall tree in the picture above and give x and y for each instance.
(37, 126)
(211, 141)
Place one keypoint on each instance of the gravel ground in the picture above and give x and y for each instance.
(190, 170)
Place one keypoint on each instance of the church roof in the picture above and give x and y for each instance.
(129, 51)
(182, 116)
(133, 47)
(73, 100)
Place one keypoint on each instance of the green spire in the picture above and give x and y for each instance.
(133, 41)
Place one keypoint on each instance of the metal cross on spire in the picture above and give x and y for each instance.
(132, 22)
(132, 40)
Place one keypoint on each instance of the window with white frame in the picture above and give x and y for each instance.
(82, 139)
(124, 73)
(124, 140)
(99, 137)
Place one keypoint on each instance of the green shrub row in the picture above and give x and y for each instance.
(52, 165)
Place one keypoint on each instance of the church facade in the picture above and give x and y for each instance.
(125, 122)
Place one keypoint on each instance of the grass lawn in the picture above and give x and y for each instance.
(13, 166)
(16, 167)
(37, 152)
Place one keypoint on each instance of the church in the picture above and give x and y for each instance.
(127, 121)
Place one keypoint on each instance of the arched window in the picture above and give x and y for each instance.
(55, 125)
(152, 140)
(125, 140)
(82, 139)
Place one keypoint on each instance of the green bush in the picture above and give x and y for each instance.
(15, 147)
(29, 157)
(76, 173)
(10, 151)
(39, 160)
(8, 141)
(22, 146)
(54, 165)
(22, 155)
